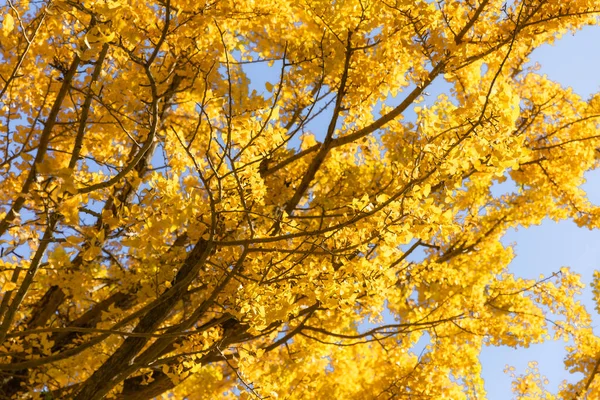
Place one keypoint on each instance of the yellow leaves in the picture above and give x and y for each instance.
(91, 253)
(308, 140)
(398, 226)
(70, 210)
(108, 8)
(8, 286)
(59, 257)
(92, 42)
(8, 24)
(596, 289)
(250, 355)
(362, 204)
(531, 384)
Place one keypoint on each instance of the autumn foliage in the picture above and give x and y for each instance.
(220, 199)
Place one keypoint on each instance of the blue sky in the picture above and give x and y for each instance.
(573, 61)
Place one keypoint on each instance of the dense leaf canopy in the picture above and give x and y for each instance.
(221, 198)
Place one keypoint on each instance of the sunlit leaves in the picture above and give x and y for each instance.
(253, 199)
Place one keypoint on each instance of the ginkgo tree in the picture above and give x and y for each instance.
(171, 229)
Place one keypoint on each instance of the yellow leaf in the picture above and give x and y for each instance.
(275, 113)
(73, 240)
(426, 189)
(382, 198)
